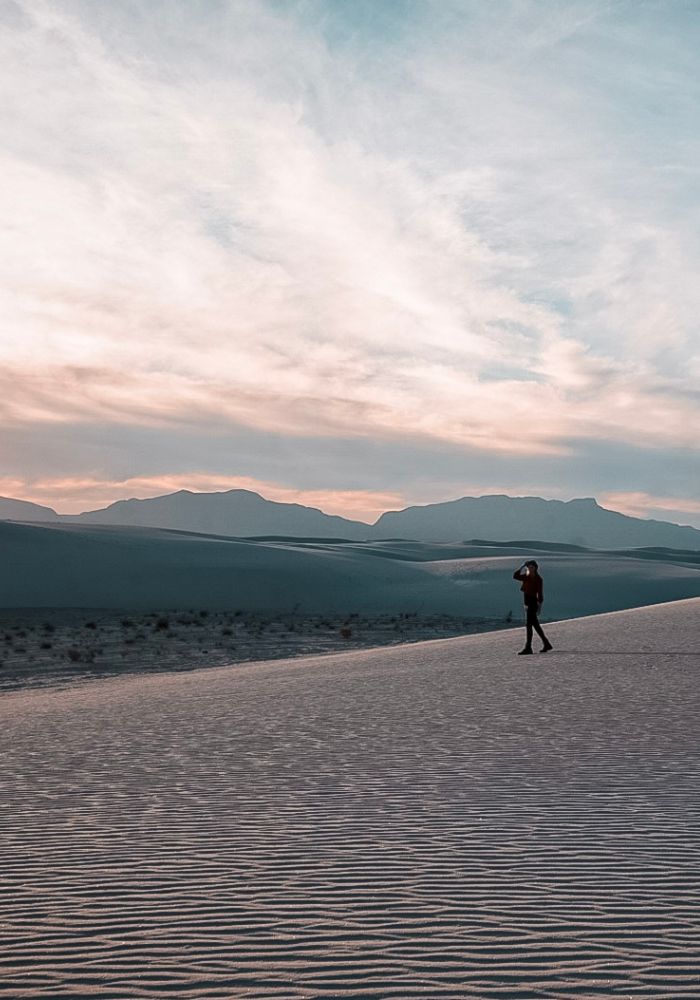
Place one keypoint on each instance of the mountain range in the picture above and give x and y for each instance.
(243, 513)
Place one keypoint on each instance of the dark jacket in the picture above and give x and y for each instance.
(531, 584)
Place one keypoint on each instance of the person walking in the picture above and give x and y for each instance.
(531, 584)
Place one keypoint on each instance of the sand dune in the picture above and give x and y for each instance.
(75, 566)
(441, 820)
(582, 583)
(57, 565)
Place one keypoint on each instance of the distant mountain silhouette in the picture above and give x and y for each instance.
(502, 518)
(235, 512)
(23, 510)
(496, 518)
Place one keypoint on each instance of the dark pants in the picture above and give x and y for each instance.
(532, 622)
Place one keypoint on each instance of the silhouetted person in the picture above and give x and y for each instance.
(533, 595)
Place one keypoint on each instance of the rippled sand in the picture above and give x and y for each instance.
(443, 820)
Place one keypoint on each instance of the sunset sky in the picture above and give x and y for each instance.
(356, 254)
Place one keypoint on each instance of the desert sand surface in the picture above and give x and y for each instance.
(85, 602)
(439, 820)
(78, 566)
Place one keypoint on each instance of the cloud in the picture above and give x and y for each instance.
(219, 215)
(680, 510)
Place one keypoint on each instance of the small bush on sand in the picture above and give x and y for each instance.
(81, 655)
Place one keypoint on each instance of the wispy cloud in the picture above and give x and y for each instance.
(680, 510)
(473, 229)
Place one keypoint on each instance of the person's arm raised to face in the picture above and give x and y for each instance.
(520, 573)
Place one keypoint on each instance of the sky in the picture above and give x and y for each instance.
(356, 254)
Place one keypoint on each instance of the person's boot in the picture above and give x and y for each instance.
(526, 652)
(547, 646)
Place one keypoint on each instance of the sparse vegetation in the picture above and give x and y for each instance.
(116, 642)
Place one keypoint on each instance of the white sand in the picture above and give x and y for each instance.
(442, 820)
